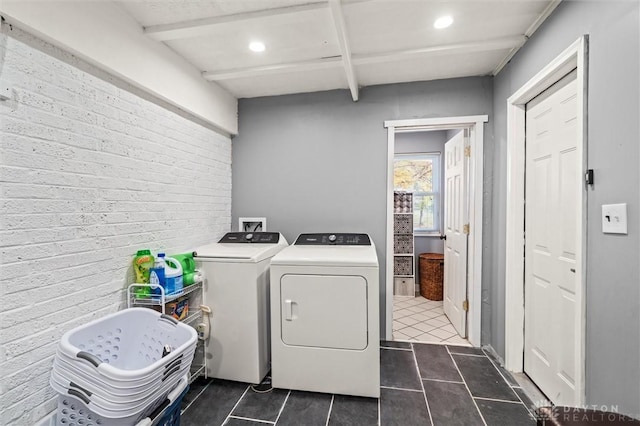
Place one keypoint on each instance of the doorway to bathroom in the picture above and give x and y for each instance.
(434, 230)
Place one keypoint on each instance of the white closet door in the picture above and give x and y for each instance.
(552, 188)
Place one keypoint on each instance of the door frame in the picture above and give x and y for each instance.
(575, 56)
(475, 124)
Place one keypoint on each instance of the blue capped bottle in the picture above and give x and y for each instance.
(156, 275)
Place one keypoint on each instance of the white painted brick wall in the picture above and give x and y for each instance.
(89, 173)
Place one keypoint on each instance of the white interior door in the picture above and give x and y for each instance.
(552, 241)
(455, 247)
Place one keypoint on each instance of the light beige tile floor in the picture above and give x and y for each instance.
(423, 320)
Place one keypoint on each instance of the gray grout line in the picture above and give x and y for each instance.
(467, 386)
(422, 322)
(424, 309)
(513, 387)
(463, 354)
(329, 413)
(400, 389)
(251, 420)
(424, 394)
(395, 349)
(529, 408)
(441, 340)
(499, 372)
(449, 342)
(442, 381)
(424, 343)
(458, 345)
(282, 408)
(412, 315)
(184, 410)
(236, 404)
(497, 400)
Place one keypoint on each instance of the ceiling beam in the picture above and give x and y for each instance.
(442, 50)
(199, 27)
(335, 62)
(345, 49)
(312, 65)
(528, 33)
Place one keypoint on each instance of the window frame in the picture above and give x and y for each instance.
(436, 188)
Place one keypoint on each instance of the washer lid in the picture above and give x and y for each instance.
(239, 251)
(345, 256)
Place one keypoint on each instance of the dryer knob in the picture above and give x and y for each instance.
(332, 238)
(249, 237)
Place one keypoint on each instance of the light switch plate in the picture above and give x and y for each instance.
(614, 218)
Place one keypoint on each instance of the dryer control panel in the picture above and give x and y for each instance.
(251, 237)
(333, 240)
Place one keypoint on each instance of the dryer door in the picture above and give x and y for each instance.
(324, 311)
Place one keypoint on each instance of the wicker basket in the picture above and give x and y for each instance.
(431, 275)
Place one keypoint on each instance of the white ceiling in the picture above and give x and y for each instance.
(331, 44)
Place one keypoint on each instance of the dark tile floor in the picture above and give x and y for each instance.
(421, 384)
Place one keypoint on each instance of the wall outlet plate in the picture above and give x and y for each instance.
(614, 218)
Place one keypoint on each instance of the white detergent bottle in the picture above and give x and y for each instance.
(173, 276)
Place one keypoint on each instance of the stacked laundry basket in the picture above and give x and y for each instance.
(128, 368)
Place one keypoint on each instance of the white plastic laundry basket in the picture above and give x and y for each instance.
(87, 373)
(115, 370)
(108, 401)
(128, 345)
(73, 410)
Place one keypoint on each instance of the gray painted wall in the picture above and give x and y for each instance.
(428, 141)
(613, 289)
(432, 141)
(317, 161)
(452, 132)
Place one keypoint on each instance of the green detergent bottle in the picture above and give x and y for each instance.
(188, 267)
(142, 264)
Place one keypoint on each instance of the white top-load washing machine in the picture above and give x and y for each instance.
(236, 288)
(325, 315)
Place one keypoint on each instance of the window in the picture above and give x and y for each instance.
(420, 174)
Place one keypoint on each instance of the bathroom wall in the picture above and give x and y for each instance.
(90, 172)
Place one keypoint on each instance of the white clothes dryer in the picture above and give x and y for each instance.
(325, 315)
(236, 288)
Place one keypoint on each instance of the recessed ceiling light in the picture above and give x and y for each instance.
(443, 22)
(257, 46)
